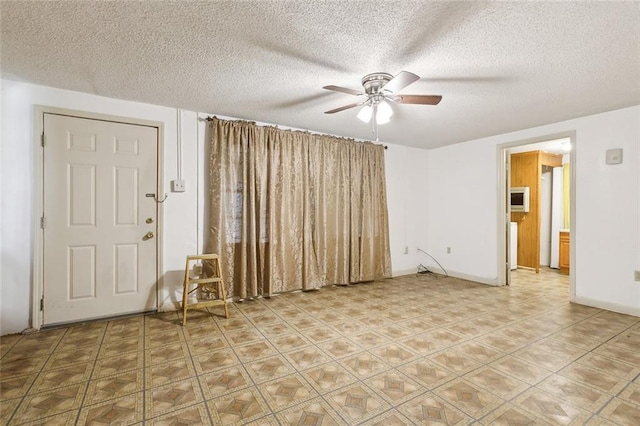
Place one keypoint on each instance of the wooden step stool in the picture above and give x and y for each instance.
(204, 286)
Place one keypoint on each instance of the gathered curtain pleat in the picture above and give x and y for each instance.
(291, 210)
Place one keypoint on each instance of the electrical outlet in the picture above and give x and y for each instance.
(636, 275)
(178, 185)
(448, 250)
(614, 156)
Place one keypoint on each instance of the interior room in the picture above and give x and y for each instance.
(540, 193)
(391, 212)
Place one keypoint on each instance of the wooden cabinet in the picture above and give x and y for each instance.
(565, 251)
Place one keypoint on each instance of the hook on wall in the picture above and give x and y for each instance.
(151, 195)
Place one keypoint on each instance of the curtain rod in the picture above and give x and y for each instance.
(210, 118)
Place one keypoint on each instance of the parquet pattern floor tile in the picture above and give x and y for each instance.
(409, 350)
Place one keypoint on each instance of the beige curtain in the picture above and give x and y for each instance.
(291, 210)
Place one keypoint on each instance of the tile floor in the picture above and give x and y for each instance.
(412, 350)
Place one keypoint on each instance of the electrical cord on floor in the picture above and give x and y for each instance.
(423, 269)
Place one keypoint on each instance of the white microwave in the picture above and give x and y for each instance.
(519, 199)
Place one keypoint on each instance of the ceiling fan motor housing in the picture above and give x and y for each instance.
(375, 82)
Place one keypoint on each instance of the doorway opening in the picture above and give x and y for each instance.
(536, 201)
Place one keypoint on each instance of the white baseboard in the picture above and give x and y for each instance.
(481, 280)
(621, 309)
(402, 272)
(474, 278)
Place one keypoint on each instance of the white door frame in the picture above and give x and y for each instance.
(37, 281)
(501, 151)
(506, 178)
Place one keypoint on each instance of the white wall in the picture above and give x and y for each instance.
(2, 205)
(184, 213)
(406, 172)
(463, 208)
(17, 173)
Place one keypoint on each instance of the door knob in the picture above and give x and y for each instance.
(148, 236)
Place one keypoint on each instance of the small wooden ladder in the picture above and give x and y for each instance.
(204, 285)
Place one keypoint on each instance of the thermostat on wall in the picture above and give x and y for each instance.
(614, 156)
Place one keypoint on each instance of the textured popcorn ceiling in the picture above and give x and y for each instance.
(499, 66)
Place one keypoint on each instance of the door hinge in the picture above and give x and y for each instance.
(43, 222)
(42, 139)
(42, 303)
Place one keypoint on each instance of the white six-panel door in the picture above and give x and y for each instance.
(99, 225)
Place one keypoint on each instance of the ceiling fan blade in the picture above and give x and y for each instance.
(418, 99)
(344, 90)
(400, 81)
(342, 108)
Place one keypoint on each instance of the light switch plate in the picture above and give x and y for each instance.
(614, 156)
(178, 185)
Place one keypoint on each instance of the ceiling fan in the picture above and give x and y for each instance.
(379, 89)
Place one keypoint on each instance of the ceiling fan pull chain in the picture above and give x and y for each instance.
(373, 118)
(374, 122)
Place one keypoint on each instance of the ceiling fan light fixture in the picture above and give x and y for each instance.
(382, 110)
(384, 113)
(380, 88)
(365, 113)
